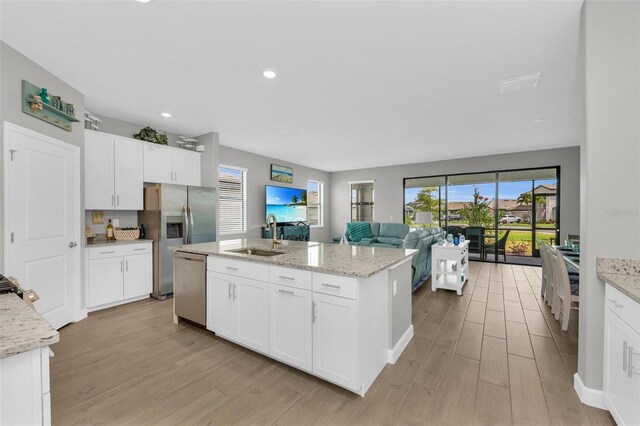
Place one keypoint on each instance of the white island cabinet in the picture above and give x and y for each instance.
(622, 357)
(335, 327)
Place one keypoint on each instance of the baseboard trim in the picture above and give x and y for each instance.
(589, 396)
(394, 354)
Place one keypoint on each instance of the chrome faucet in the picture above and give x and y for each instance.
(275, 228)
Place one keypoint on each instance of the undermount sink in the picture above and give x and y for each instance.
(257, 252)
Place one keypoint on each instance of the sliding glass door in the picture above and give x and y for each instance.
(503, 213)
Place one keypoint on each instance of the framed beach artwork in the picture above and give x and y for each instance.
(281, 174)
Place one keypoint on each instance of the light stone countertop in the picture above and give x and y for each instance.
(346, 260)
(103, 243)
(21, 328)
(622, 274)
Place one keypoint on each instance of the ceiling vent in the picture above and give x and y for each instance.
(519, 83)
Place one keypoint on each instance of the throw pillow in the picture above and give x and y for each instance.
(359, 230)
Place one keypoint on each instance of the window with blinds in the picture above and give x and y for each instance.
(314, 203)
(362, 198)
(232, 195)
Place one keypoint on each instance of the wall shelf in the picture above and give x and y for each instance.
(48, 113)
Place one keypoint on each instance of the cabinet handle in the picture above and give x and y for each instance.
(615, 303)
(113, 203)
(285, 291)
(229, 290)
(231, 268)
(118, 200)
(625, 356)
(332, 286)
(282, 277)
(313, 312)
(107, 252)
(141, 248)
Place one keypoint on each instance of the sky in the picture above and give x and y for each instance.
(281, 195)
(507, 190)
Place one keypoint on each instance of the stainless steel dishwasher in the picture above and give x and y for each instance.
(190, 286)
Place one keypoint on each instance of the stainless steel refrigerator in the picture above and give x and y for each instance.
(174, 215)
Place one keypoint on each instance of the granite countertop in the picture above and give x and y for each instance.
(103, 243)
(22, 328)
(351, 261)
(623, 274)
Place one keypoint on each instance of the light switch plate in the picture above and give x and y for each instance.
(115, 223)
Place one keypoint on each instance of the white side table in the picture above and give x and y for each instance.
(449, 266)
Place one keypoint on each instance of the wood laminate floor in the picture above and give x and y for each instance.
(493, 356)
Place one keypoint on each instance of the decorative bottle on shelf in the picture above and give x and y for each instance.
(461, 238)
(142, 235)
(110, 231)
(450, 238)
(44, 96)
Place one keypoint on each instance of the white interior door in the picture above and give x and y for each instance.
(42, 220)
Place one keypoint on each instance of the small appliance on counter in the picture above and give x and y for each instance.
(174, 215)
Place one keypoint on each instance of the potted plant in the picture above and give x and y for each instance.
(150, 135)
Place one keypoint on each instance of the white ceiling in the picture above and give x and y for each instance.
(359, 84)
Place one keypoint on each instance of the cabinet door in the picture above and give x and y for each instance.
(105, 280)
(335, 339)
(138, 275)
(128, 174)
(186, 168)
(290, 325)
(98, 171)
(252, 314)
(220, 305)
(622, 388)
(158, 164)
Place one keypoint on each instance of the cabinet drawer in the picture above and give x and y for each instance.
(297, 278)
(137, 249)
(623, 306)
(238, 268)
(105, 252)
(335, 285)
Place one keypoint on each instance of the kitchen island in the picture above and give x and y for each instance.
(338, 312)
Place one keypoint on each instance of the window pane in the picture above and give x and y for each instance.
(232, 200)
(424, 202)
(314, 201)
(362, 199)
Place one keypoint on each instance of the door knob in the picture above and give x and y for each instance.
(72, 244)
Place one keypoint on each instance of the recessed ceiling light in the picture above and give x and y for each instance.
(538, 121)
(165, 114)
(269, 73)
(143, 1)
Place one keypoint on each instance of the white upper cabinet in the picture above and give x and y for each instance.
(113, 172)
(99, 171)
(186, 168)
(158, 164)
(128, 174)
(164, 164)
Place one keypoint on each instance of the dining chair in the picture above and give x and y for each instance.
(500, 246)
(548, 271)
(567, 292)
(545, 268)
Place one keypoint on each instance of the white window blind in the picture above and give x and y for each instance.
(314, 203)
(362, 196)
(232, 194)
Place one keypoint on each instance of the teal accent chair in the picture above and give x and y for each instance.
(421, 240)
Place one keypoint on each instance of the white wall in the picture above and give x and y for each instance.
(610, 175)
(389, 183)
(259, 175)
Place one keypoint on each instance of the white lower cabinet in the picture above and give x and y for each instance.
(25, 397)
(290, 325)
(622, 357)
(335, 337)
(238, 309)
(118, 274)
(332, 326)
